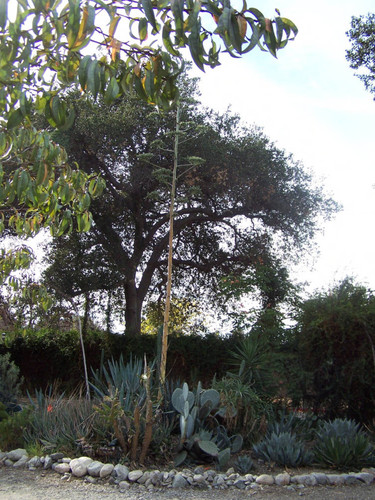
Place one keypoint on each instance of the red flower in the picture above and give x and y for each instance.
(49, 408)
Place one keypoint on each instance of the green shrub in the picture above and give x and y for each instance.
(10, 381)
(341, 443)
(12, 430)
(284, 449)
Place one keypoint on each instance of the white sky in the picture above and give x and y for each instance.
(309, 103)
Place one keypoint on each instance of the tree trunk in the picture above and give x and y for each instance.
(86, 314)
(108, 313)
(133, 309)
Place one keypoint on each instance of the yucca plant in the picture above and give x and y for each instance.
(284, 449)
(342, 444)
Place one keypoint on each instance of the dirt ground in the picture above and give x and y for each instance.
(17, 484)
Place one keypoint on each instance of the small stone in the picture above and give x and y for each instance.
(320, 477)
(79, 466)
(120, 472)
(336, 479)
(209, 475)
(47, 462)
(21, 462)
(15, 455)
(265, 479)
(282, 479)
(61, 468)
(123, 485)
(351, 479)
(34, 462)
(240, 484)
(91, 480)
(369, 470)
(94, 468)
(232, 477)
(145, 477)
(179, 481)
(78, 470)
(156, 477)
(57, 456)
(366, 477)
(66, 477)
(2, 455)
(249, 478)
(199, 479)
(306, 479)
(134, 475)
(199, 470)
(106, 470)
(219, 480)
(230, 471)
(8, 462)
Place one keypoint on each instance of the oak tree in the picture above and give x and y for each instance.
(248, 203)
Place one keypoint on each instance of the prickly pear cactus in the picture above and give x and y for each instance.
(197, 443)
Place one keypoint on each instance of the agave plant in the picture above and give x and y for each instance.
(342, 444)
(244, 464)
(284, 449)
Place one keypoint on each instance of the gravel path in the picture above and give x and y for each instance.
(21, 484)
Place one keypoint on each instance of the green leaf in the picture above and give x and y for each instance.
(23, 182)
(167, 39)
(149, 83)
(93, 78)
(83, 69)
(3, 13)
(149, 13)
(15, 119)
(142, 29)
(196, 47)
(112, 91)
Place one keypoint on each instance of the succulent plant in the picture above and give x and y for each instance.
(244, 464)
(198, 441)
(283, 449)
(342, 444)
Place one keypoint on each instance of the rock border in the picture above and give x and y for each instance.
(94, 471)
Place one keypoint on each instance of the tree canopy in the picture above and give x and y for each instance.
(362, 53)
(249, 203)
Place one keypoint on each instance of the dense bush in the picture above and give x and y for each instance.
(333, 368)
(48, 357)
